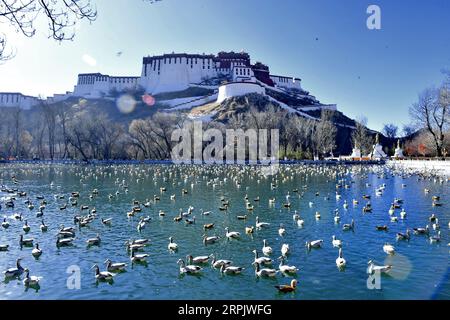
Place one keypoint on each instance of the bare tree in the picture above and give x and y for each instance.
(408, 130)
(432, 112)
(361, 137)
(324, 137)
(390, 130)
(61, 16)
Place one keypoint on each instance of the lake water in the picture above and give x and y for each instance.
(420, 268)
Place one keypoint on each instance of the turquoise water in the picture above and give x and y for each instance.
(420, 269)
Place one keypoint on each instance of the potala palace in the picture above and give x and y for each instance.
(229, 73)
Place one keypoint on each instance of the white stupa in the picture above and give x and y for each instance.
(356, 153)
(398, 151)
(377, 150)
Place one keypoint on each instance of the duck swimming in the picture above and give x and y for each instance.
(286, 269)
(188, 269)
(348, 227)
(286, 288)
(231, 270)
(115, 267)
(14, 272)
(404, 236)
(425, 230)
(36, 252)
(388, 249)
(266, 249)
(172, 246)
(219, 263)
(5, 224)
(260, 225)
(285, 250)
(210, 240)
(102, 275)
(232, 235)
(261, 260)
(94, 241)
(374, 268)
(138, 258)
(265, 272)
(281, 230)
(30, 281)
(336, 242)
(314, 244)
(340, 261)
(197, 260)
(25, 242)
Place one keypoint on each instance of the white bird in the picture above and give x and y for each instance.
(388, 248)
(232, 234)
(337, 218)
(340, 261)
(172, 246)
(138, 257)
(336, 242)
(219, 263)
(43, 226)
(436, 238)
(188, 269)
(261, 260)
(94, 241)
(102, 275)
(30, 281)
(115, 267)
(260, 225)
(267, 250)
(436, 224)
(26, 227)
(197, 260)
(403, 214)
(265, 272)
(231, 270)
(36, 252)
(107, 222)
(314, 244)
(285, 249)
(281, 230)
(210, 240)
(374, 268)
(286, 269)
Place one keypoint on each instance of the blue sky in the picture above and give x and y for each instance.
(375, 73)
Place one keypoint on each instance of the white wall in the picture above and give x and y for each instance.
(97, 86)
(235, 89)
(17, 100)
(175, 74)
(286, 82)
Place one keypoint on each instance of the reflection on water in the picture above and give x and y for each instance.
(419, 267)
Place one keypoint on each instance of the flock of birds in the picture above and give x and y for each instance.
(263, 264)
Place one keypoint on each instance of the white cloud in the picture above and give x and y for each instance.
(89, 60)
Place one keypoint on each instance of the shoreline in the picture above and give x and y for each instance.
(426, 167)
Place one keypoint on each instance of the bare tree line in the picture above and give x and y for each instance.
(62, 131)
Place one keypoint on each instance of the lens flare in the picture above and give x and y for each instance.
(148, 100)
(126, 103)
(402, 266)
